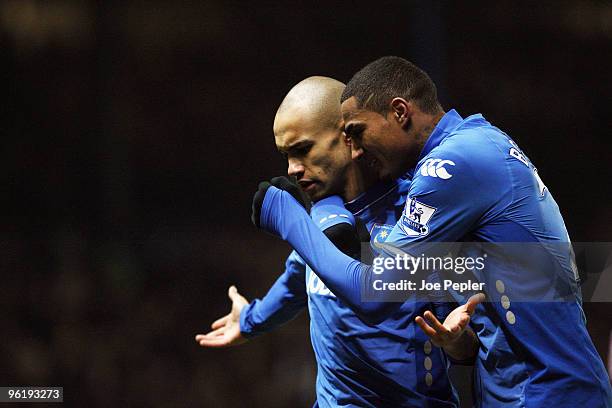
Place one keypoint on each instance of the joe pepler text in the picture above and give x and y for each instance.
(423, 285)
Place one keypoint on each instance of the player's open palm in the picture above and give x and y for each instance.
(226, 330)
(444, 334)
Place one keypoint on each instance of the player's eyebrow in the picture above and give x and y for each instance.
(347, 116)
(294, 146)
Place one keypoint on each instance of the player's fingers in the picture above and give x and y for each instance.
(220, 322)
(232, 292)
(435, 323)
(201, 336)
(282, 182)
(213, 342)
(473, 301)
(214, 333)
(424, 326)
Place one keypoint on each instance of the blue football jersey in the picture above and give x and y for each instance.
(390, 363)
(474, 184)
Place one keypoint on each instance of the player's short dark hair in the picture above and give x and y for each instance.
(376, 84)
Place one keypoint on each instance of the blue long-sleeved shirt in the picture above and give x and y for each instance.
(387, 364)
(472, 183)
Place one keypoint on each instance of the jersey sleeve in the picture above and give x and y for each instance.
(282, 215)
(288, 294)
(338, 224)
(451, 193)
(285, 299)
(329, 212)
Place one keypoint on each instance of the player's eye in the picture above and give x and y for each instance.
(354, 131)
(302, 151)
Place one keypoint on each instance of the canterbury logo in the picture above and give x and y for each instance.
(435, 168)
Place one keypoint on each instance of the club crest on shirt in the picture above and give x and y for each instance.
(380, 232)
(415, 218)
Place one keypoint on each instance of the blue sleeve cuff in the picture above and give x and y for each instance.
(330, 211)
(246, 326)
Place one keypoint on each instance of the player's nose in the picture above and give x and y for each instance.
(295, 169)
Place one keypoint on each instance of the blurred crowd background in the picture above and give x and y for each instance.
(134, 134)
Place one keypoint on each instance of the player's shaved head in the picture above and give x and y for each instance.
(314, 102)
(309, 132)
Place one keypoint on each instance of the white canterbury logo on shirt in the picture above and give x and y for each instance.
(435, 168)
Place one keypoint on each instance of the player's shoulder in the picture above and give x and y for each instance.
(472, 155)
(403, 185)
(475, 137)
(474, 145)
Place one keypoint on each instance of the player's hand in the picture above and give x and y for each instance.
(444, 334)
(226, 330)
(282, 183)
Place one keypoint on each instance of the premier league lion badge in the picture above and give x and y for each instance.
(416, 217)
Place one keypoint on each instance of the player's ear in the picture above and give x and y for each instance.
(401, 111)
(356, 152)
(347, 139)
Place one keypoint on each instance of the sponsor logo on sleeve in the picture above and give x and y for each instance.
(416, 217)
(315, 285)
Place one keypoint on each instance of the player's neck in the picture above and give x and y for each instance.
(357, 182)
(427, 127)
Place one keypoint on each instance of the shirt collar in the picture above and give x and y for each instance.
(370, 196)
(449, 121)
